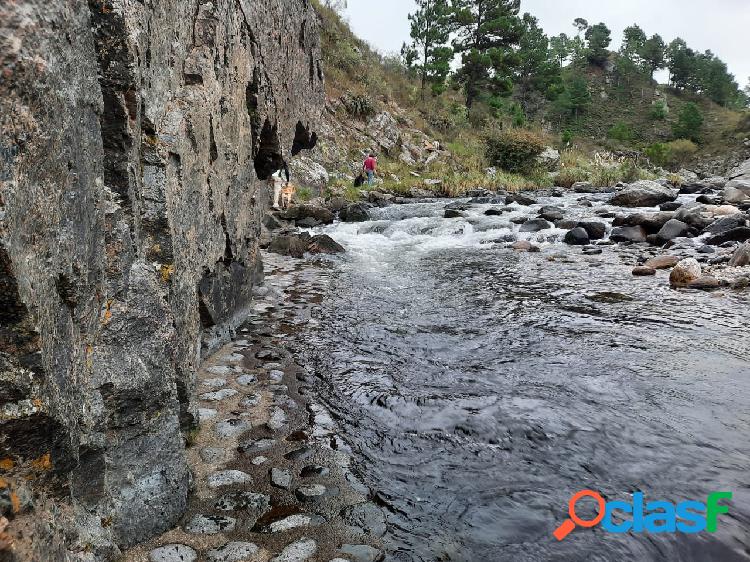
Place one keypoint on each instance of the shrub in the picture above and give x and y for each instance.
(568, 176)
(659, 111)
(514, 150)
(567, 136)
(358, 105)
(620, 131)
(680, 152)
(303, 194)
(658, 154)
(605, 176)
(689, 123)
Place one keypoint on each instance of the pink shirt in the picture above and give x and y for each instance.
(370, 163)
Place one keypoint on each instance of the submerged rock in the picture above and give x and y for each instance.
(355, 212)
(577, 237)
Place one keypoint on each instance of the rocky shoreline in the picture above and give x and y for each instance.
(699, 229)
(270, 477)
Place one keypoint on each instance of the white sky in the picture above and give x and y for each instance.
(720, 25)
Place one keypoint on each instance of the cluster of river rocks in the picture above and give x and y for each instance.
(699, 227)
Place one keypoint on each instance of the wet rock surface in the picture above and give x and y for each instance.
(268, 483)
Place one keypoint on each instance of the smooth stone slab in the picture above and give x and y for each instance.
(278, 419)
(228, 478)
(232, 552)
(365, 519)
(219, 395)
(232, 427)
(213, 454)
(302, 550)
(173, 553)
(281, 478)
(210, 524)
(257, 445)
(361, 552)
(205, 414)
(247, 380)
(257, 461)
(214, 383)
(310, 492)
(276, 376)
(250, 400)
(272, 366)
(296, 521)
(219, 370)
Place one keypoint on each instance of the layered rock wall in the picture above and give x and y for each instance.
(135, 140)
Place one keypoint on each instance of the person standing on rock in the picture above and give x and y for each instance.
(277, 183)
(370, 167)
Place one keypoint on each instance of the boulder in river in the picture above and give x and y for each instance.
(551, 213)
(596, 230)
(734, 195)
(454, 214)
(324, 244)
(684, 272)
(725, 224)
(740, 234)
(662, 262)
(524, 246)
(577, 237)
(628, 234)
(300, 212)
(535, 225)
(671, 230)
(651, 222)
(493, 212)
(288, 245)
(519, 198)
(644, 193)
(643, 271)
(705, 283)
(741, 256)
(355, 212)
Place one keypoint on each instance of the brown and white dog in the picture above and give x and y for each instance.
(287, 194)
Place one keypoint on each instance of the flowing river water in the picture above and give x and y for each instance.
(479, 388)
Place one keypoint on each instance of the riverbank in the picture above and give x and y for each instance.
(271, 478)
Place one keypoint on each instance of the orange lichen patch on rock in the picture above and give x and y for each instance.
(108, 312)
(3, 484)
(166, 272)
(6, 464)
(15, 502)
(42, 463)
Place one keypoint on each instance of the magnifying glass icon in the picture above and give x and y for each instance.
(569, 524)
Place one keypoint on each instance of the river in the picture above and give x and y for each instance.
(479, 387)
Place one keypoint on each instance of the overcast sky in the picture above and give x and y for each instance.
(720, 25)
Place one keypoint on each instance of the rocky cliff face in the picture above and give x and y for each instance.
(135, 139)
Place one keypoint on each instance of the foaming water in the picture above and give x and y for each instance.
(479, 388)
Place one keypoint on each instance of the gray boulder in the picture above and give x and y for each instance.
(741, 257)
(595, 230)
(577, 237)
(644, 193)
(671, 230)
(535, 225)
(628, 234)
(356, 212)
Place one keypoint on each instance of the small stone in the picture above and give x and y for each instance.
(299, 551)
(296, 521)
(281, 478)
(210, 524)
(299, 454)
(232, 552)
(314, 470)
(250, 400)
(684, 272)
(213, 454)
(268, 355)
(205, 414)
(247, 380)
(592, 250)
(365, 519)
(310, 492)
(228, 478)
(214, 383)
(643, 271)
(256, 446)
(219, 370)
(361, 552)
(232, 427)
(235, 358)
(257, 461)
(173, 553)
(219, 395)
(276, 376)
(244, 501)
(705, 283)
(662, 262)
(278, 419)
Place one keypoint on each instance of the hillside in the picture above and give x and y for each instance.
(373, 102)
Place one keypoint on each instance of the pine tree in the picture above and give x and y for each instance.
(581, 25)
(652, 53)
(634, 38)
(429, 53)
(689, 123)
(560, 48)
(537, 69)
(488, 33)
(599, 37)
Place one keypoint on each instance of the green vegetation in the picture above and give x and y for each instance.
(512, 80)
